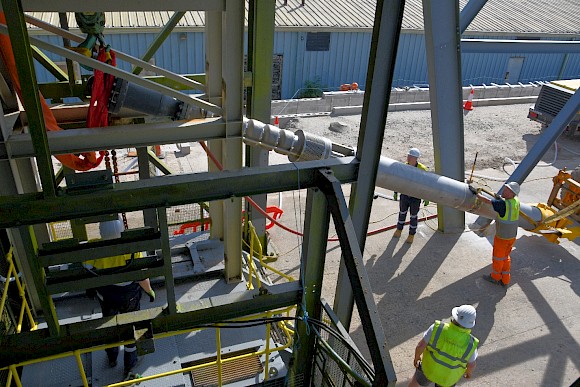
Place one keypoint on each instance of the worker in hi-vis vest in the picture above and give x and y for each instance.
(121, 297)
(409, 203)
(506, 229)
(447, 351)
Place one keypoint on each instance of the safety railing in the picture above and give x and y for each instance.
(218, 362)
(13, 276)
(256, 251)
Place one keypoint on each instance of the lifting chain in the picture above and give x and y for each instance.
(115, 170)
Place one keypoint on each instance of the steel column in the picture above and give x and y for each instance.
(149, 215)
(30, 96)
(260, 47)
(316, 227)
(386, 31)
(469, 12)
(445, 93)
(232, 93)
(213, 71)
(167, 265)
(159, 39)
(359, 281)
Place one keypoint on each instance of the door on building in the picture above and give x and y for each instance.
(514, 68)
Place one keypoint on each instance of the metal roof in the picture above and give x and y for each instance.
(500, 17)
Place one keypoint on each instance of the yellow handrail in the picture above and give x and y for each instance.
(254, 237)
(21, 293)
(77, 353)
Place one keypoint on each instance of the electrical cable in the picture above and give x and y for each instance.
(261, 210)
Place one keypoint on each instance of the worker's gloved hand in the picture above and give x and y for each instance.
(151, 295)
(496, 196)
(395, 196)
(426, 203)
(473, 189)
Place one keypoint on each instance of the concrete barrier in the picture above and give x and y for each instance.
(337, 103)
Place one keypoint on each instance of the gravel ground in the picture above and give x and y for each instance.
(495, 132)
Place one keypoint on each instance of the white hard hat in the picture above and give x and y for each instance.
(111, 229)
(414, 152)
(513, 186)
(464, 315)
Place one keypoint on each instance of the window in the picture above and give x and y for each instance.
(318, 41)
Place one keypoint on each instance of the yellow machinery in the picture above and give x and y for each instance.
(562, 208)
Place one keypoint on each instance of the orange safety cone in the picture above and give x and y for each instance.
(276, 121)
(469, 103)
(158, 152)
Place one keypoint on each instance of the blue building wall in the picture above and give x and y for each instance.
(346, 61)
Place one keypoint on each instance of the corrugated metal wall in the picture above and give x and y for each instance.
(346, 60)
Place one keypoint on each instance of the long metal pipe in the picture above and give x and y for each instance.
(405, 179)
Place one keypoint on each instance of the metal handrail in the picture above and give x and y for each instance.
(25, 307)
(77, 353)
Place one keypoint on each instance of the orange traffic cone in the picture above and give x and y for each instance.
(158, 152)
(469, 103)
(276, 121)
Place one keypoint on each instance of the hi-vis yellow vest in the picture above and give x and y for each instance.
(507, 225)
(449, 348)
(110, 262)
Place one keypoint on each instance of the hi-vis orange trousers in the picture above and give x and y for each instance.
(501, 261)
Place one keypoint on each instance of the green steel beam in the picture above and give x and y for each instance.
(66, 42)
(76, 282)
(261, 17)
(117, 72)
(86, 334)
(316, 227)
(48, 64)
(153, 159)
(169, 191)
(123, 6)
(168, 267)
(120, 55)
(122, 136)
(62, 90)
(98, 249)
(159, 39)
(31, 100)
(359, 280)
(39, 279)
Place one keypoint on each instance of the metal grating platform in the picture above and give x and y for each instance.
(232, 371)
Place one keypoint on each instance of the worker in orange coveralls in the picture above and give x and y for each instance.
(506, 229)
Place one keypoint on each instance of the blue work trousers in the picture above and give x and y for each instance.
(408, 204)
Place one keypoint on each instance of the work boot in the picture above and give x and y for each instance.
(488, 278)
(397, 233)
(410, 239)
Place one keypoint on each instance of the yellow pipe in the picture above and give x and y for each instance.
(219, 355)
(9, 378)
(81, 368)
(15, 376)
